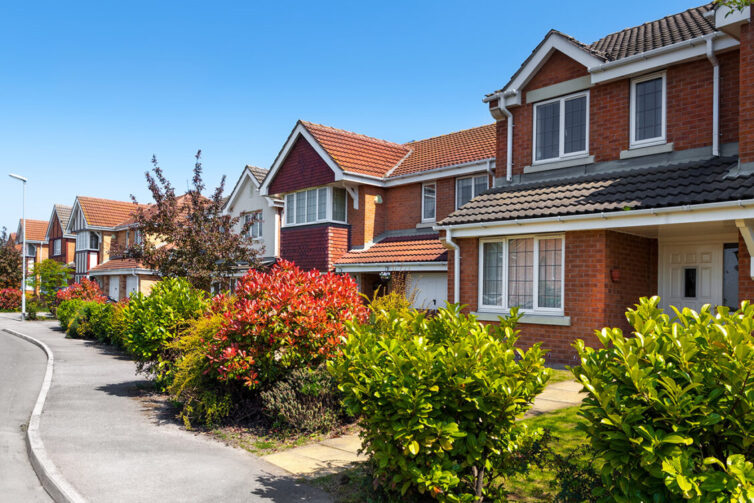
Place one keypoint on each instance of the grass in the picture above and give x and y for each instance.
(560, 375)
(352, 485)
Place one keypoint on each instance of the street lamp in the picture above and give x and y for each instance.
(23, 250)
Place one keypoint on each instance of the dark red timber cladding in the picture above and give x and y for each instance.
(306, 246)
(301, 169)
(746, 95)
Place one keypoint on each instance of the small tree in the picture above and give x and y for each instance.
(190, 236)
(48, 277)
(10, 262)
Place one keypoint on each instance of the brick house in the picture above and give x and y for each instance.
(367, 207)
(61, 246)
(625, 168)
(36, 243)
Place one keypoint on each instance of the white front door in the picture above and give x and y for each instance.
(691, 275)
(114, 287)
(132, 285)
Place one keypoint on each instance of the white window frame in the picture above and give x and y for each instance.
(86, 240)
(291, 209)
(561, 130)
(57, 247)
(660, 140)
(434, 218)
(505, 308)
(256, 222)
(473, 195)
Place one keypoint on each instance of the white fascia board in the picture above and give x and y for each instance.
(712, 212)
(347, 176)
(554, 42)
(76, 207)
(394, 267)
(299, 131)
(49, 222)
(122, 272)
(659, 58)
(237, 189)
(727, 16)
(462, 169)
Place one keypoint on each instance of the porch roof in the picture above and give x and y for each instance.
(398, 249)
(713, 180)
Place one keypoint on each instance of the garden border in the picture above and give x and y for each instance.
(59, 489)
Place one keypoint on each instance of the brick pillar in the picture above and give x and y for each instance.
(746, 95)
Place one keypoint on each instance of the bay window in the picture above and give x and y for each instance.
(523, 272)
(428, 202)
(315, 205)
(648, 110)
(561, 128)
(469, 187)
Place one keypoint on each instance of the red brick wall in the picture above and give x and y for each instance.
(689, 109)
(746, 94)
(303, 168)
(592, 300)
(369, 220)
(337, 239)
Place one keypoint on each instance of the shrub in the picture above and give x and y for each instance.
(438, 400)
(306, 401)
(151, 322)
(48, 277)
(391, 302)
(10, 299)
(202, 398)
(32, 308)
(118, 323)
(100, 319)
(282, 320)
(84, 290)
(670, 409)
(66, 311)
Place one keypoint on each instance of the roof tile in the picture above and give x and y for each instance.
(105, 212)
(36, 230)
(425, 248)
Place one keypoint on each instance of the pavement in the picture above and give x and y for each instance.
(22, 368)
(333, 455)
(104, 444)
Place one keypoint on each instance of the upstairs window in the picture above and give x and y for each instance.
(255, 230)
(561, 128)
(87, 240)
(428, 202)
(469, 187)
(57, 248)
(93, 241)
(315, 205)
(31, 250)
(648, 110)
(137, 236)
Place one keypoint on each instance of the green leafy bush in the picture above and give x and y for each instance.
(670, 409)
(100, 319)
(66, 311)
(32, 308)
(438, 400)
(306, 401)
(203, 399)
(151, 322)
(118, 323)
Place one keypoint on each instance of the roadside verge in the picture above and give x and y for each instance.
(52, 480)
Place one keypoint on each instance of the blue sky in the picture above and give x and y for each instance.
(90, 90)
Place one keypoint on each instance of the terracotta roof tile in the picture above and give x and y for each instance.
(118, 264)
(469, 145)
(426, 248)
(36, 230)
(357, 153)
(105, 212)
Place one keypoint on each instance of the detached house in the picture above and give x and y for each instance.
(247, 202)
(367, 207)
(98, 225)
(625, 168)
(36, 242)
(61, 246)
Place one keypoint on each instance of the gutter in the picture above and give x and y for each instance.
(741, 203)
(715, 94)
(650, 54)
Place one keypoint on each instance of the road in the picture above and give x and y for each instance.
(110, 449)
(22, 368)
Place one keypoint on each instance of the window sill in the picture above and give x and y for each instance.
(642, 150)
(563, 163)
(425, 225)
(528, 318)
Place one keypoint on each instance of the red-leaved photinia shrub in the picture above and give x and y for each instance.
(10, 299)
(281, 320)
(84, 290)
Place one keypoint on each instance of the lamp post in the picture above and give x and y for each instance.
(23, 250)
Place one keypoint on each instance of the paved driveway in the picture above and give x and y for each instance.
(110, 450)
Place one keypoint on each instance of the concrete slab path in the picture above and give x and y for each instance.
(332, 455)
(110, 450)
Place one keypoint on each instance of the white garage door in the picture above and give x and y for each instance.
(132, 285)
(430, 289)
(114, 291)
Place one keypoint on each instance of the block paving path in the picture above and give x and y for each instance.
(332, 455)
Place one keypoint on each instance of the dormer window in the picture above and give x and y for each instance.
(648, 110)
(561, 128)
